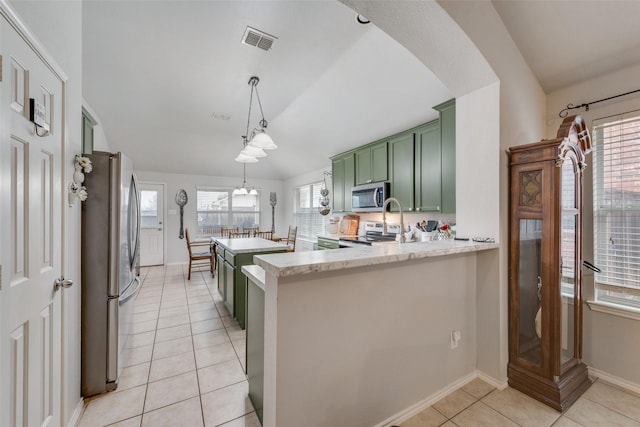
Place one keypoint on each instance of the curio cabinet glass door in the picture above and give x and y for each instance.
(545, 258)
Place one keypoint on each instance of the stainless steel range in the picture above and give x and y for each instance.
(372, 233)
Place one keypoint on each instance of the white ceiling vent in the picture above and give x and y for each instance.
(257, 38)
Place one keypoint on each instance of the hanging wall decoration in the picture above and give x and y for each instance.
(273, 201)
(181, 200)
(77, 191)
(324, 208)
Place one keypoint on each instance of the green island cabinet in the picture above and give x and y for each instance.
(343, 175)
(255, 341)
(232, 255)
(371, 163)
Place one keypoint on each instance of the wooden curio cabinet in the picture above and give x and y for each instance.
(545, 259)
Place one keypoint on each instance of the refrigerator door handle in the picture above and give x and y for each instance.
(112, 340)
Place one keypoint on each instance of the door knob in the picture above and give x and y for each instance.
(61, 283)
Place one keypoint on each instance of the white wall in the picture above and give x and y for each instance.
(175, 248)
(611, 343)
(358, 346)
(521, 121)
(58, 26)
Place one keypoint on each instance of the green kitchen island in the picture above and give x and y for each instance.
(231, 255)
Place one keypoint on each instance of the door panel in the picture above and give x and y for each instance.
(151, 224)
(31, 172)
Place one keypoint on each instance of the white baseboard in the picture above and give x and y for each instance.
(415, 409)
(620, 382)
(500, 385)
(77, 413)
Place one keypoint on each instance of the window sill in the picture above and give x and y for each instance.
(614, 309)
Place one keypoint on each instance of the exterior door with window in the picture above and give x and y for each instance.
(32, 244)
(151, 224)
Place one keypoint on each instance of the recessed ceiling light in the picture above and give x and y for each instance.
(362, 20)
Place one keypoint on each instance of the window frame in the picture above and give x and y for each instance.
(230, 212)
(617, 299)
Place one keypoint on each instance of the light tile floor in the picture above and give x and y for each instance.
(184, 367)
(478, 404)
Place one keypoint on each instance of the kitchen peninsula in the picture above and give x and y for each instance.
(231, 255)
(354, 336)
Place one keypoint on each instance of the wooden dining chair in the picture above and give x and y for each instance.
(200, 258)
(264, 234)
(224, 232)
(251, 230)
(239, 234)
(291, 238)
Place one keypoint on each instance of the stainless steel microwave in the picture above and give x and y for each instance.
(369, 197)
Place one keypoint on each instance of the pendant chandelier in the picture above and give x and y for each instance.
(242, 191)
(254, 143)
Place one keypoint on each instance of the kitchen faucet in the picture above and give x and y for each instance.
(384, 221)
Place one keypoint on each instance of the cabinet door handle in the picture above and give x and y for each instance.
(417, 209)
(410, 209)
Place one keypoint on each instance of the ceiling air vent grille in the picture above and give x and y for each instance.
(257, 38)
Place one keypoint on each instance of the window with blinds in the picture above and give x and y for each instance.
(306, 203)
(219, 207)
(616, 209)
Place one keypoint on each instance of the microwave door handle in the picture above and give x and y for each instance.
(378, 197)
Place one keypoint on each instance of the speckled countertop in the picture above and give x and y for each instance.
(297, 263)
(251, 244)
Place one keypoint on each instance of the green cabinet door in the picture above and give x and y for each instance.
(363, 166)
(349, 180)
(343, 176)
(428, 182)
(448, 142)
(255, 346)
(371, 163)
(401, 150)
(220, 270)
(229, 287)
(338, 184)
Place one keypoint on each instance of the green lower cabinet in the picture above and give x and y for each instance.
(236, 282)
(220, 276)
(255, 346)
(326, 243)
(402, 170)
(428, 180)
(349, 180)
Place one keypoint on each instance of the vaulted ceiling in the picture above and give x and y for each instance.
(158, 73)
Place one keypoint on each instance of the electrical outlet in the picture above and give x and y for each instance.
(456, 336)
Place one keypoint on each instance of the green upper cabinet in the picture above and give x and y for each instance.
(428, 182)
(343, 176)
(448, 141)
(371, 163)
(401, 149)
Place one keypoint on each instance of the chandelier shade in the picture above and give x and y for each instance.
(263, 141)
(254, 142)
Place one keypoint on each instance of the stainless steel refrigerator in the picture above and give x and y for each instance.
(109, 246)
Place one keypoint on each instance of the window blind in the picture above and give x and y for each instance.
(306, 203)
(616, 216)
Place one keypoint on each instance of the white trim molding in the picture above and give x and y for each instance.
(614, 309)
(415, 409)
(620, 382)
(77, 413)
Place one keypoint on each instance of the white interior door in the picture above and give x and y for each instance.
(31, 203)
(151, 224)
